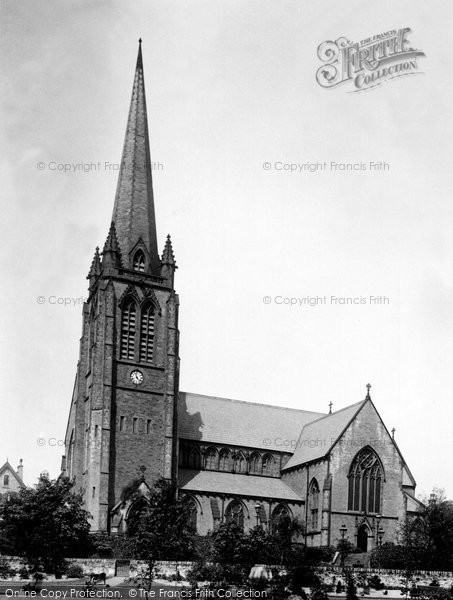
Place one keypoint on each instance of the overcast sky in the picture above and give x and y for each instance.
(231, 85)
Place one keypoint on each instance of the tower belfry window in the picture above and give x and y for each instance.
(147, 334)
(139, 261)
(128, 324)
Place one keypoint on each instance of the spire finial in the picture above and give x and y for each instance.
(330, 407)
(393, 433)
(139, 40)
(368, 388)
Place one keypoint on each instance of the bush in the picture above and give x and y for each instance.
(5, 570)
(23, 572)
(319, 592)
(376, 583)
(300, 577)
(74, 571)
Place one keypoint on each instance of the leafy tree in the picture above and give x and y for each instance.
(425, 542)
(434, 532)
(286, 530)
(161, 530)
(44, 524)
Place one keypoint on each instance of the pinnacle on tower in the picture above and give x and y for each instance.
(168, 258)
(95, 269)
(133, 212)
(111, 252)
(168, 262)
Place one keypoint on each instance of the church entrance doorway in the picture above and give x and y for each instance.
(362, 538)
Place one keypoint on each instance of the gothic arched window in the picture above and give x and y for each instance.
(211, 459)
(279, 515)
(365, 482)
(268, 465)
(235, 513)
(194, 457)
(139, 261)
(224, 460)
(5, 479)
(240, 463)
(191, 512)
(255, 463)
(128, 324)
(147, 333)
(313, 505)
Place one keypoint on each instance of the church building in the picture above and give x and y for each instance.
(341, 474)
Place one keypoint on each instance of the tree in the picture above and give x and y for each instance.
(425, 540)
(286, 530)
(44, 524)
(161, 529)
(433, 533)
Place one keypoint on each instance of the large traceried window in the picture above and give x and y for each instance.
(313, 505)
(128, 325)
(147, 333)
(366, 477)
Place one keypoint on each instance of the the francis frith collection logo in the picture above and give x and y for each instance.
(369, 63)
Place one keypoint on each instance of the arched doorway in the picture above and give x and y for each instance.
(362, 538)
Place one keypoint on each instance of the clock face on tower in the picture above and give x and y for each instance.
(137, 377)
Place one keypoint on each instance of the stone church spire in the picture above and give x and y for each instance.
(133, 213)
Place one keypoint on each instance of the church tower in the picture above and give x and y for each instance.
(123, 410)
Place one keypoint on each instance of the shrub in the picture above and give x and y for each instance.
(5, 570)
(376, 583)
(74, 571)
(319, 592)
(300, 577)
(23, 572)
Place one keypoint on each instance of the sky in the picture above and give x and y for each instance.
(231, 89)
